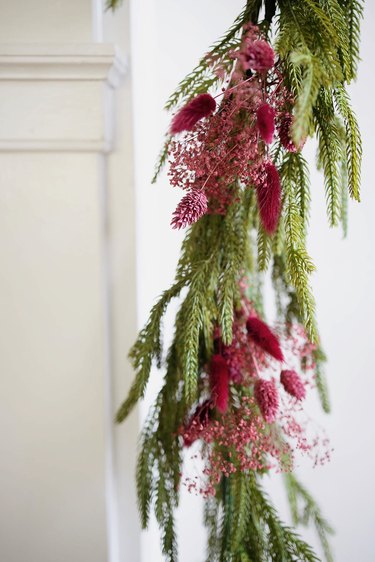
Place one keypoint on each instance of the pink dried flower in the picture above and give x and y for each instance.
(293, 384)
(259, 56)
(216, 156)
(197, 108)
(190, 209)
(284, 130)
(265, 393)
(285, 136)
(268, 190)
(219, 382)
(266, 122)
(260, 333)
(237, 441)
(285, 133)
(198, 421)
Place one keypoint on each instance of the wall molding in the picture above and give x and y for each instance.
(53, 145)
(94, 61)
(58, 97)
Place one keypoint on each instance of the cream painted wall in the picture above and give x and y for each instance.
(52, 471)
(39, 21)
(67, 287)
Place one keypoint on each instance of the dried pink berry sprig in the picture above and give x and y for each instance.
(263, 428)
(216, 157)
(242, 439)
(236, 441)
(224, 152)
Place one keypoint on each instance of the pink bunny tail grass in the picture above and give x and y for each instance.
(285, 134)
(268, 190)
(266, 122)
(196, 423)
(219, 382)
(260, 56)
(197, 108)
(262, 336)
(267, 398)
(190, 209)
(293, 384)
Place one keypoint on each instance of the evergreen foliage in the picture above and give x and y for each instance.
(244, 525)
(310, 512)
(317, 44)
(113, 4)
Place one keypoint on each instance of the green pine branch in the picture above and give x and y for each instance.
(353, 140)
(309, 513)
(330, 153)
(298, 263)
(317, 44)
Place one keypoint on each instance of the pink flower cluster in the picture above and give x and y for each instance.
(241, 435)
(252, 418)
(254, 54)
(218, 152)
(223, 152)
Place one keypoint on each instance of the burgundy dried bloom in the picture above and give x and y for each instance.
(219, 382)
(285, 133)
(260, 56)
(216, 156)
(197, 422)
(197, 108)
(284, 129)
(266, 122)
(265, 393)
(262, 336)
(293, 384)
(267, 181)
(190, 209)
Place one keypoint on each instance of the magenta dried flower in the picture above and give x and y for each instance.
(219, 382)
(262, 336)
(268, 190)
(267, 398)
(259, 56)
(266, 122)
(190, 209)
(293, 384)
(198, 421)
(196, 109)
(285, 133)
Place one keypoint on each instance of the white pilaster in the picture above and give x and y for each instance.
(58, 483)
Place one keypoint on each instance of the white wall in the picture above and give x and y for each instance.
(66, 247)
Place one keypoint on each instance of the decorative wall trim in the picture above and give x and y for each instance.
(53, 145)
(58, 97)
(95, 61)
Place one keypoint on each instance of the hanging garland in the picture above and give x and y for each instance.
(233, 386)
